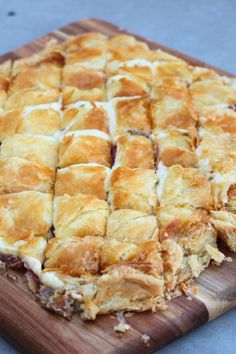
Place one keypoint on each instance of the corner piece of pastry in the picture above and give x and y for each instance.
(85, 116)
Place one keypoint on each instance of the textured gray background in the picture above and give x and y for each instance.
(205, 29)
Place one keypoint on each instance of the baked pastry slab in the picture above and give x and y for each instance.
(122, 156)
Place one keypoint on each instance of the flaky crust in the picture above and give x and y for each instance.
(86, 179)
(133, 189)
(76, 149)
(80, 215)
(127, 225)
(24, 215)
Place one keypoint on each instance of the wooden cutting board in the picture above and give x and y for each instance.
(34, 330)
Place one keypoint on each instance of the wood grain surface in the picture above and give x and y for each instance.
(34, 330)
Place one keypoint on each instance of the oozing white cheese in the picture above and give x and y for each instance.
(56, 106)
(51, 279)
(33, 263)
(89, 132)
(162, 173)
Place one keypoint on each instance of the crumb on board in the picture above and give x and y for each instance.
(12, 277)
(228, 259)
(2, 267)
(121, 327)
(189, 298)
(145, 339)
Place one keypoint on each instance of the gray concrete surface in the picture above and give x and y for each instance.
(205, 29)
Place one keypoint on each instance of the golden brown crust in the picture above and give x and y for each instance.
(124, 47)
(211, 93)
(132, 114)
(184, 187)
(31, 98)
(127, 225)
(37, 149)
(17, 175)
(85, 116)
(126, 86)
(133, 189)
(172, 106)
(74, 256)
(174, 147)
(80, 215)
(77, 149)
(24, 215)
(134, 151)
(37, 121)
(86, 179)
(173, 69)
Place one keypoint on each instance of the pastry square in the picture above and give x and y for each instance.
(31, 98)
(212, 92)
(25, 215)
(41, 150)
(85, 115)
(123, 47)
(82, 84)
(223, 183)
(213, 149)
(128, 115)
(171, 105)
(145, 257)
(133, 189)
(173, 69)
(188, 242)
(225, 224)
(182, 187)
(140, 68)
(85, 146)
(131, 226)
(28, 253)
(134, 151)
(126, 86)
(72, 256)
(91, 179)
(218, 120)
(5, 72)
(18, 174)
(124, 287)
(88, 50)
(80, 215)
(42, 71)
(174, 147)
(41, 120)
